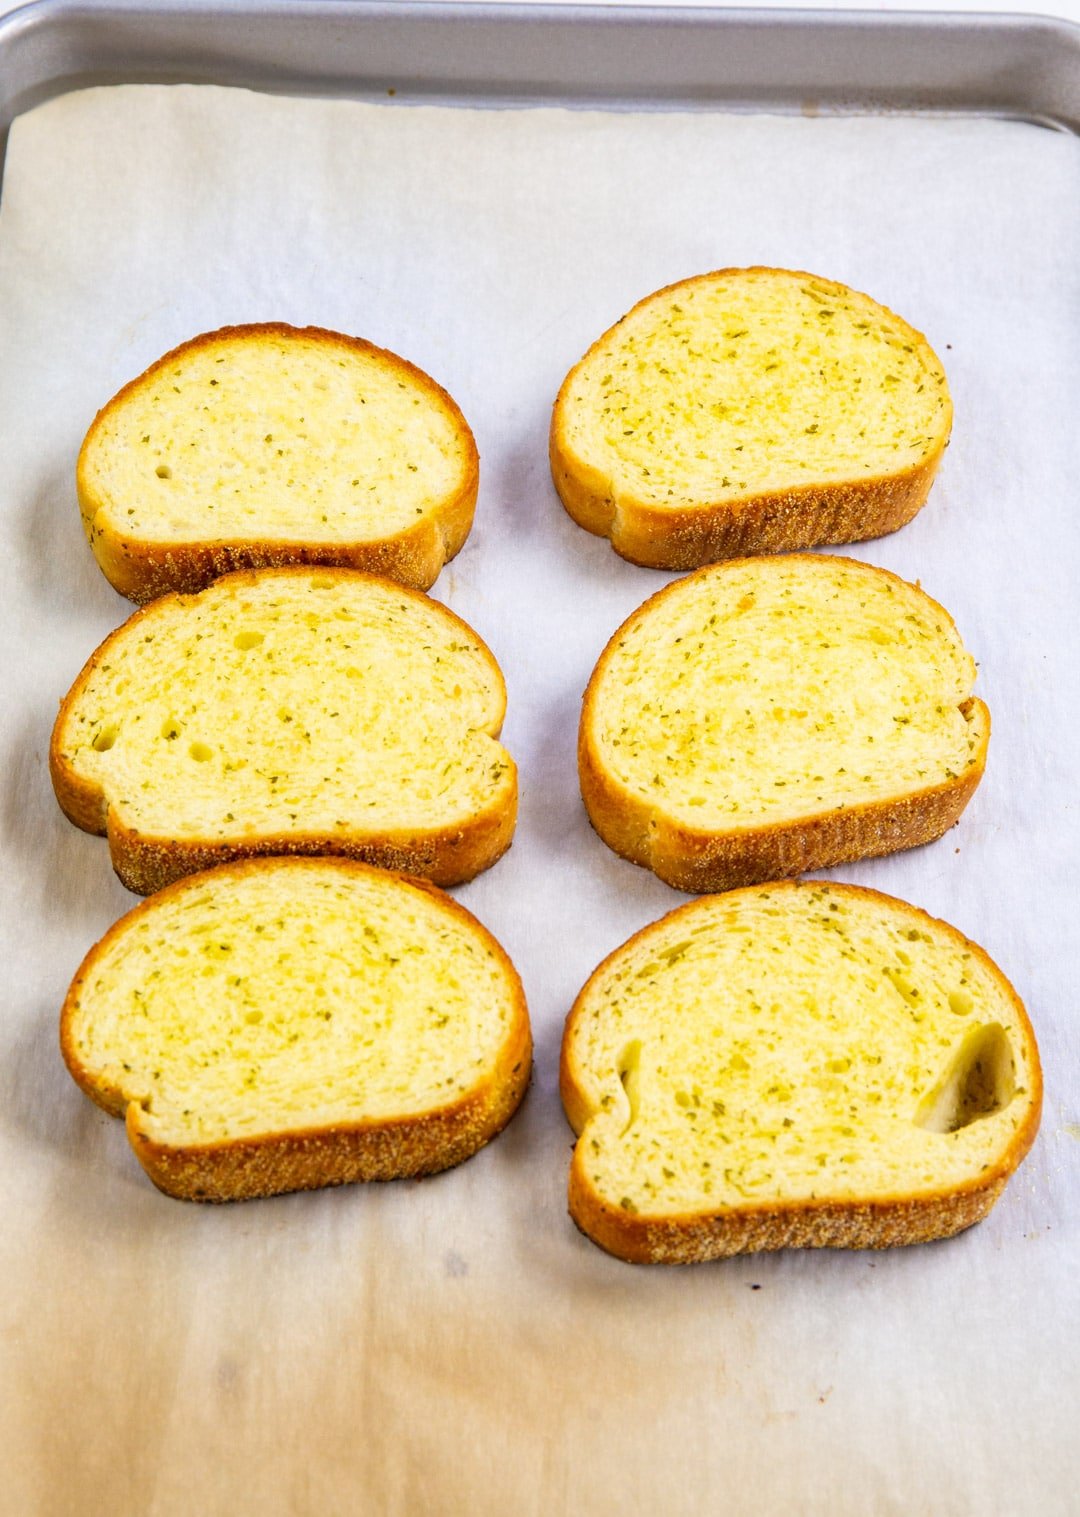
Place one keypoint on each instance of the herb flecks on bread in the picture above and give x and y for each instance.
(769, 716)
(283, 1024)
(269, 445)
(747, 411)
(290, 710)
(801, 1065)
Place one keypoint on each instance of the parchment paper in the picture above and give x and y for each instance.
(454, 1345)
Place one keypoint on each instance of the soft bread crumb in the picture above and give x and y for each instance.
(806, 700)
(749, 410)
(323, 710)
(272, 444)
(285, 1001)
(802, 1064)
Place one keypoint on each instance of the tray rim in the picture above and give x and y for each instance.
(1006, 65)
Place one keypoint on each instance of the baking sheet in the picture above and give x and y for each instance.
(453, 1345)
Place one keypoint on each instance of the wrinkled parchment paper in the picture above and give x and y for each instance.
(453, 1345)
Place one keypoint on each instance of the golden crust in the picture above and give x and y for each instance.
(446, 856)
(142, 569)
(842, 1224)
(867, 1222)
(688, 536)
(273, 1163)
(700, 861)
(449, 856)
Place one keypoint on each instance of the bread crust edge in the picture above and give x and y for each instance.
(316, 1157)
(870, 1222)
(700, 860)
(690, 535)
(448, 855)
(142, 569)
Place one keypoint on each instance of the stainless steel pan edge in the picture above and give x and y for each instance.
(999, 65)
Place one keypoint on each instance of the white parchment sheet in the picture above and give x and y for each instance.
(454, 1345)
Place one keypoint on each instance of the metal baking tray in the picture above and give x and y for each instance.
(423, 1349)
(736, 59)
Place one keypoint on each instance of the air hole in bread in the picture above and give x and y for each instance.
(980, 1080)
(322, 582)
(171, 729)
(630, 1078)
(106, 737)
(163, 471)
(200, 752)
(246, 640)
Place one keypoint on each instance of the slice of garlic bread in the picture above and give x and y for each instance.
(794, 1065)
(267, 445)
(769, 716)
(283, 1024)
(749, 411)
(289, 711)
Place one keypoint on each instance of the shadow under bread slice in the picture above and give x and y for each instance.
(284, 1024)
(770, 716)
(289, 711)
(794, 1065)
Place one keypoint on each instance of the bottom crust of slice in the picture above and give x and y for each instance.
(690, 536)
(247, 1170)
(697, 1239)
(143, 571)
(701, 862)
(451, 856)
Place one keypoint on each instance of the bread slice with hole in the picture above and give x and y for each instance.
(749, 411)
(794, 1066)
(284, 1024)
(289, 711)
(265, 445)
(770, 716)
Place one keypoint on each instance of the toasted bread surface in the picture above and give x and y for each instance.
(285, 1024)
(794, 1065)
(749, 411)
(289, 711)
(769, 716)
(267, 445)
